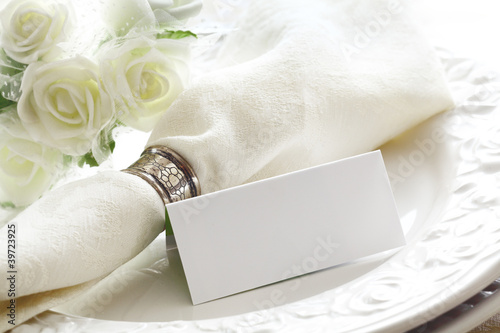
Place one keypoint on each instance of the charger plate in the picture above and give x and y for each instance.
(446, 182)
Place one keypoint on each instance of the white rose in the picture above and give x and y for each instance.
(64, 105)
(27, 168)
(179, 9)
(123, 16)
(32, 29)
(144, 77)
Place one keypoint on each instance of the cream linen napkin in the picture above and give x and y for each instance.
(309, 83)
(297, 84)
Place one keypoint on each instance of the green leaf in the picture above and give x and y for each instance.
(6, 205)
(88, 159)
(7, 63)
(112, 145)
(168, 225)
(4, 103)
(175, 34)
(9, 71)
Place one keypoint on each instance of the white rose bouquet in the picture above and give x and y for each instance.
(60, 99)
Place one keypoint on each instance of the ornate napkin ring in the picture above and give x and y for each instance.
(167, 172)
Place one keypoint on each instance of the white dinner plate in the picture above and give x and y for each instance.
(446, 183)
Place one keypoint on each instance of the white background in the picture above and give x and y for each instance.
(468, 28)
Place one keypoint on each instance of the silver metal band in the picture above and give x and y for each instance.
(167, 172)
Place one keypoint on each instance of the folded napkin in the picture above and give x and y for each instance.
(303, 84)
(296, 84)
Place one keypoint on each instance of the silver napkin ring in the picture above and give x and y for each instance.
(167, 172)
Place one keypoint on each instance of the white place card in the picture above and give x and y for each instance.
(255, 234)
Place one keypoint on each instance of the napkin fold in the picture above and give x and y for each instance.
(302, 84)
(296, 84)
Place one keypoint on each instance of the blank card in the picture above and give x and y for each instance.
(256, 234)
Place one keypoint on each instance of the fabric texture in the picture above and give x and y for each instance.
(296, 84)
(302, 85)
(75, 234)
